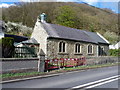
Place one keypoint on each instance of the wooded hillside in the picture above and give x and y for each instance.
(81, 16)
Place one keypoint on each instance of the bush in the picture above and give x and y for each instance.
(7, 47)
(114, 52)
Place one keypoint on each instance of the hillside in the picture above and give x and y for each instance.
(81, 16)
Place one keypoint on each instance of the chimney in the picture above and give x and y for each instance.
(42, 17)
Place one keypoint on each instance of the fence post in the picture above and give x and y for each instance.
(41, 61)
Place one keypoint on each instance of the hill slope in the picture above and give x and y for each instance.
(81, 16)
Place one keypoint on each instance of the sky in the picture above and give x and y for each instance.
(110, 4)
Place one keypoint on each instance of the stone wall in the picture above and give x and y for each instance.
(26, 65)
(52, 49)
(40, 35)
(18, 64)
(106, 49)
(101, 60)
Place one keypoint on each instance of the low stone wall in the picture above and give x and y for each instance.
(25, 65)
(101, 60)
(18, 64)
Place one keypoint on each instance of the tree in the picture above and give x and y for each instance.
(67, 17)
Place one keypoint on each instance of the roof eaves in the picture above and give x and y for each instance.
(71, 39)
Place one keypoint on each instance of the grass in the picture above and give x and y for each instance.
(92, 66)
(18, 74)
(28, 74)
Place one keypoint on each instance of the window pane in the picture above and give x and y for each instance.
(60, 45)
(78, 48)
(75, 48)
(90, 49)
(63, 47)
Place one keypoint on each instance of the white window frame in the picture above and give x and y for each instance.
(88, 49)
(62, 46)
(77, 48)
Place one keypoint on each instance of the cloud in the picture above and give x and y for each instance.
(9, 0)
(90, 1)
(38, 0)
(5, 5)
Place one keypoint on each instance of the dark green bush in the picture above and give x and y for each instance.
(7, 47)
(114, 52)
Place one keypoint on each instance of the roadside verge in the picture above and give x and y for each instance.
(7, 78)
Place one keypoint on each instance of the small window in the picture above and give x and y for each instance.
(77, 48)
(90, 49)
(62, 47)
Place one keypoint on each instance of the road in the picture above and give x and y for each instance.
(72, 79)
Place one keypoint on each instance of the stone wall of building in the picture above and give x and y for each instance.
(52, 49)
(40, 35)
(106, 49)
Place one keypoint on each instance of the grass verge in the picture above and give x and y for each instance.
(10, 76)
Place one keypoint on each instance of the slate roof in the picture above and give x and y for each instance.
(16, 38)
(30, 41)
(95, 36)
(62, 32)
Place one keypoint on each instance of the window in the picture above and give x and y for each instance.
(90, 49)
(77, 48)
(62, 47)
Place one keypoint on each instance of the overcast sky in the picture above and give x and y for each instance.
(110, 4)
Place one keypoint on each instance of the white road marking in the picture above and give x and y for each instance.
(102, 83)
(80, 86)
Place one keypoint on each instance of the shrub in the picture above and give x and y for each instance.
(7, 47)
(114, 52)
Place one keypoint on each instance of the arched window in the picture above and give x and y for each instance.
(62, 46)
(77, 48)
(90, 49)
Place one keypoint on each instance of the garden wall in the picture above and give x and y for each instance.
(19, 64)
(101, 60)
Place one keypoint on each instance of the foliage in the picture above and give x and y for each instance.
(66, 17)
(18, 29)
(19, 74)
(7, 47)
(75, 15)
(114, 52)
(111, 37)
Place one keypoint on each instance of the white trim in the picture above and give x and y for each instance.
(103, 37)
(62, 46)
(77, 48)
(97, 50)
(92, 49)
